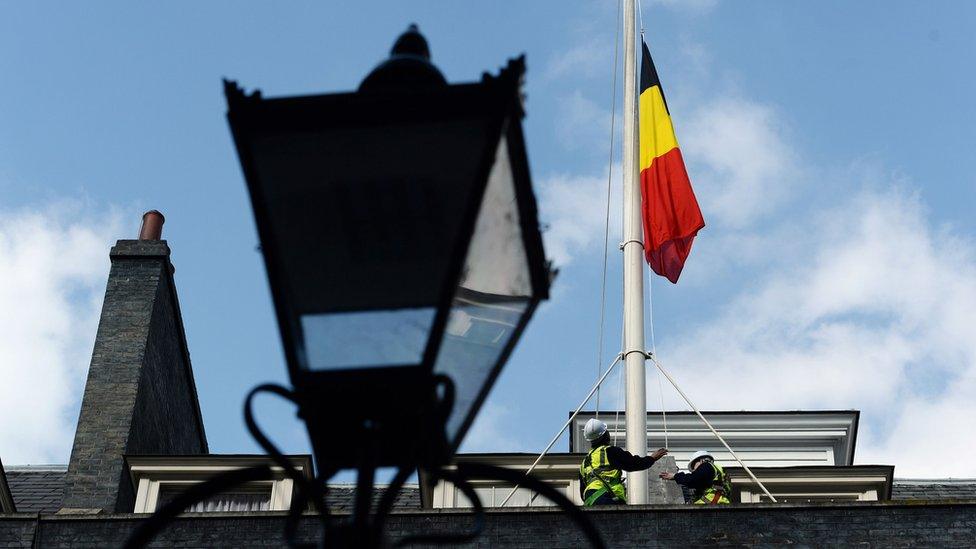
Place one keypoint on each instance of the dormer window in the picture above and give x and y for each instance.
(158, 479)
(252, 497)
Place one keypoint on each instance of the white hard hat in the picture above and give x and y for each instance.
(594, 429)
(698, 455)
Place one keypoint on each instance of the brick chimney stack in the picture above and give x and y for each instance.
(140, 397)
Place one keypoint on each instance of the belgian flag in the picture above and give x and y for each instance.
(669, 209)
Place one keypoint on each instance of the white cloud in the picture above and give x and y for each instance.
(573, 206)
(53, 266)
(740, 163)
(494, 430)
(877, 317)
(592, 58)
(582, 125)
(575, 210)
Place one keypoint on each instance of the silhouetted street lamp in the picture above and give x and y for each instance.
(399, 230)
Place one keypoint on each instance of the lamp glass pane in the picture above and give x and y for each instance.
(362, 218)
(365, 339)
(494, 292)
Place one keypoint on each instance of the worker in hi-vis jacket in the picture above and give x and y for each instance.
(707, 478)
(601, 477)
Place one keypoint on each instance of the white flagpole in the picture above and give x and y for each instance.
(633, 252)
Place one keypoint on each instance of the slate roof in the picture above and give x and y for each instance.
(933, 489)
(37, 489)
(40, 489)
(341, 497)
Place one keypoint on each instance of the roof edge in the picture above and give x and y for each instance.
(6, 498)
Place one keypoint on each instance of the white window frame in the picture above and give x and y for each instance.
(559, 471)
(749, 496)
(150, 475)
(821, 483)
(454, 498)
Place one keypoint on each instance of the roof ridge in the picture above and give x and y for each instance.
(53, 467)
(958, 480)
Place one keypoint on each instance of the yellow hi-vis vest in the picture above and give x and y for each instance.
(720, 489)
(598, 477)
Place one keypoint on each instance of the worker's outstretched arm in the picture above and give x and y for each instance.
(624, 460)
(699, 479)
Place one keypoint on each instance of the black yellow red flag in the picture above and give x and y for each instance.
(669, 209)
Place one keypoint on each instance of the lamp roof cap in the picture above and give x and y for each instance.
(408, 68)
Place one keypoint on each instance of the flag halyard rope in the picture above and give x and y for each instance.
(565, 425)
(640, 17)
(606, 228)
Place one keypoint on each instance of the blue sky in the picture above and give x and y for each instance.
(829, 144)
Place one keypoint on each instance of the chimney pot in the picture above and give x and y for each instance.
(152, 225)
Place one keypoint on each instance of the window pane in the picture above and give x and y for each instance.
(221, 503)
(809, 498)
(485, 494)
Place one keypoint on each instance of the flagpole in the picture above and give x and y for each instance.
(633, 252)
